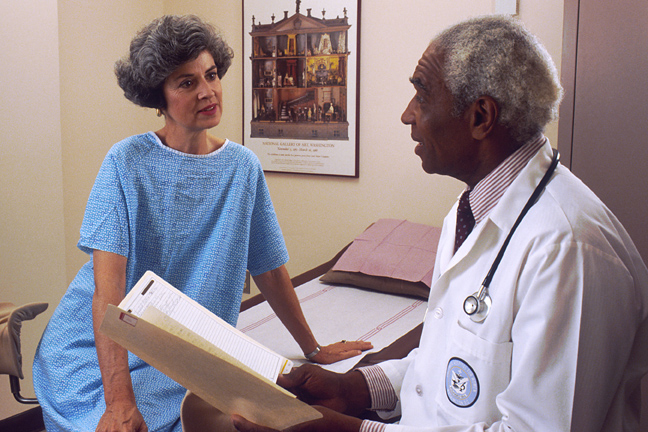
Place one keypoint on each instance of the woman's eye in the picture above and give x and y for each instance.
(212, 76)
(186, 84)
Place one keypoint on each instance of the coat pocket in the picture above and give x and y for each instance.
(477, 370)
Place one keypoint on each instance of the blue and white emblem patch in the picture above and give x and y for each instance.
(461, 383)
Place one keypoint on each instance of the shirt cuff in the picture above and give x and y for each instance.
(383, 396)
(372, 426)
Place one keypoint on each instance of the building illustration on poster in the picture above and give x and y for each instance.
(299, 76)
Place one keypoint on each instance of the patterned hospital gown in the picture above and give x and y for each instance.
(197, 221)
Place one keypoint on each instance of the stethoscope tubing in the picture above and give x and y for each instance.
(480, 301)
(532, 200)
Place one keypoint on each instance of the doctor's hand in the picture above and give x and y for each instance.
(340, 351)
(331, 421)
(345, 393)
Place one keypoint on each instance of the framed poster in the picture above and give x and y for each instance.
(300, 85)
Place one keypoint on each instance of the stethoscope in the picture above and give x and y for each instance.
(478, 305)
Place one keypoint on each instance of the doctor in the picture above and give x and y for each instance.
(564, 342)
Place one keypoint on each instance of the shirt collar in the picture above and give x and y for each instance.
(487, 193)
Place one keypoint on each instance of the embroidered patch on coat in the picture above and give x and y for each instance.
(461, 383)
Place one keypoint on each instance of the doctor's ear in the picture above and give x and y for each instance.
(484, 113)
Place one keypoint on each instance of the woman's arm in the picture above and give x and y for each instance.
(276, 287)
(110, 288)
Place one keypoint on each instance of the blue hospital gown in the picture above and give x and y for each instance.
(197, 221)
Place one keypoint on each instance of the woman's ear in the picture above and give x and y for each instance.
(484, 114)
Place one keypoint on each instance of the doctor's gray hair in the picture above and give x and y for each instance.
(496, 56)
(160, 48)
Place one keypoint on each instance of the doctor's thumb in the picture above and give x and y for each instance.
(242, 425)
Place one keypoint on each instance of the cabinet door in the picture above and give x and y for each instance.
(603, 130)
(604, 118)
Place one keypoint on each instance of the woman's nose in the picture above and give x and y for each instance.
(204, 89)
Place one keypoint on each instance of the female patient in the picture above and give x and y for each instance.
(190, 206)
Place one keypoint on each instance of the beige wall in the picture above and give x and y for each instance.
(62, 110)
(330, 212)
(94, 112)
(32, 252)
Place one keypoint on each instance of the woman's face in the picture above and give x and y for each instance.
(194, 95)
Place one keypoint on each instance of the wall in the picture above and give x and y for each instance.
(330, 212)
(94, 112)
(90, 130)
(325, 211)
(52, 148)
(32, 254)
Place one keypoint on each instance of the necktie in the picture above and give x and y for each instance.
(465, 220)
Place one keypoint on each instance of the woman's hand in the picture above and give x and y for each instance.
(340, 351)
(121, 412)
(122, 417)
(276, 287)
(331, 421)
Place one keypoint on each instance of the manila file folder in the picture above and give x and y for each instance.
(206, 370)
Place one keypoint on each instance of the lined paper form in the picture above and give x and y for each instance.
(153, 291)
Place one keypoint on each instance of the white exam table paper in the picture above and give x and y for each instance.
(334, 313)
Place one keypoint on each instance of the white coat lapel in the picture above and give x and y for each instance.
(495, 227)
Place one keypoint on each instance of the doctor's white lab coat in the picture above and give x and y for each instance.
(560, 349)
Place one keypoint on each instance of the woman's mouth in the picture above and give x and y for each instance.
(210, 109)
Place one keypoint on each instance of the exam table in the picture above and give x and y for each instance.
(374, 289)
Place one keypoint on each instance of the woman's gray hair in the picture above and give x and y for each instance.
(496, 56)
(160, 48)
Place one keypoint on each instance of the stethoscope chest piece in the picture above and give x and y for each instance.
(477, 306)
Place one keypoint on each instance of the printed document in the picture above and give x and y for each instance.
(153, 291)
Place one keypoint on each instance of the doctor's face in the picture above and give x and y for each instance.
(444, 141)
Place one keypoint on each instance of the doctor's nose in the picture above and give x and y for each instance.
(408, 115)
